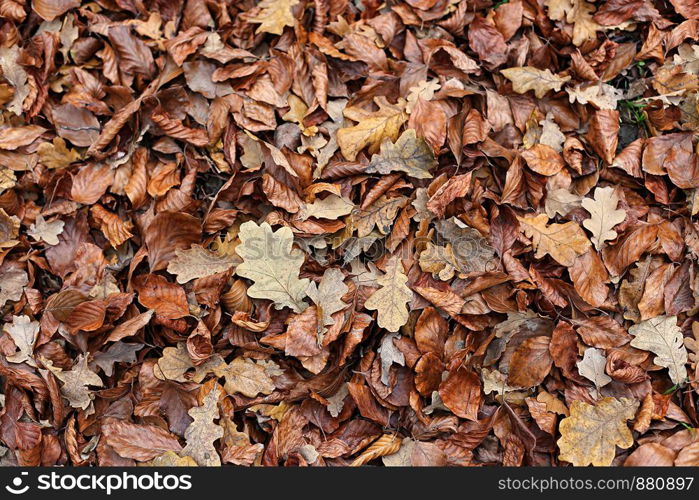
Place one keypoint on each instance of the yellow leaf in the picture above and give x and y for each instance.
(170, 459)
(7, 179)
(528, 78)
(390, 300)
(387, 444)
(563, 242)
(591, 433)
(373, 127)
(56, 155)
(579, 14)
(274, 16)
(270, 261)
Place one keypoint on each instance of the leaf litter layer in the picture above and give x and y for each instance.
(338, 233)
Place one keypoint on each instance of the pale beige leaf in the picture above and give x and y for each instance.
(600, 95)
(604, 215)
(331, 207)
(409, 154)
(663, 337)
(203, 431)
(592, 367)
(46, 231)
(76, 381)
(198, 262)
(270, 260)
(247, 377)
(561, 202)
(173, 364)
(23, 332)
(327, 296)
(391, 298)
(528, 78)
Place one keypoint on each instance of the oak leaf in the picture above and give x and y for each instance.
(270, 261)
(391, 298)
(563, 242)
(76, 381)
(24, 332)
(44, 231)
(373, 127)
(604, 215)
(663, 337)
(528, 78)
(590, 435)
(408, 154)
(198, 262)
(203, 431)
(274, 16)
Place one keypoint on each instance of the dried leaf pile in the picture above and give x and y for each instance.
(349, 232)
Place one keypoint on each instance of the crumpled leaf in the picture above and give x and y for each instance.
(76, 381)
(590, 435)
(592, 367)
(12, 283)
(327, 296)
(389, 354)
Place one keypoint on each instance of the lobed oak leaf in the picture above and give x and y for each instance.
(203, 431)
(528, 78)
(590, 435)
(44, 231)
(408, 154)
(373, 127)
(604, 215)
(563, 242)
(391, 298)
(198, 262)
(23, 332)
(274, 16)
(272, 264)
(76, 381)
(663, 337)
